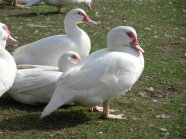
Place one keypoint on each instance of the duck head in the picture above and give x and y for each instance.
(78, 16)
(5, 34)
(123, 36)
(67, 60)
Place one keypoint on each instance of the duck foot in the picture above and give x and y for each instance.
(19, 6)
(112, 116)
(100, 109)
(107, 115)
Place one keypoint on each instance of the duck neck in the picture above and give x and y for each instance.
(126, 49)
(70, 26)
(4, 53)
(3, 43)
(65, 66)
(115, 48)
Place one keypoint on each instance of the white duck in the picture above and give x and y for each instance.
(7, 63)
(5, 35)
(48, 50)
(59, 3)
(34, 84)
(102, 75)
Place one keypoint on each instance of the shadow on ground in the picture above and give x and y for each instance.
(33, 14)
(55, 121)
(30, 120)
(7, 103)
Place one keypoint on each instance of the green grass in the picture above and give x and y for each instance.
(160, 25)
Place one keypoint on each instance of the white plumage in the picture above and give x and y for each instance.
(34, 84)
(59, 3)
(7, 63)
(102, 75)
(48, 50)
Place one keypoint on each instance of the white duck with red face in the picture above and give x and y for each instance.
(34, 84)
(48, 50)
(7, 63)
(102, 75)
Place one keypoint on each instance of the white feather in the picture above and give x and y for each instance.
(102, 75)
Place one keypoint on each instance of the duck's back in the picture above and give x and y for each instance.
(34, 85)
(45, 51)
(48, 50)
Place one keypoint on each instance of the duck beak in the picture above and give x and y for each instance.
(79, 59)
(88, 20)
(139, 48)
(136, 46)
(11, 39)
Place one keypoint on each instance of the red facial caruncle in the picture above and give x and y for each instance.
(84, 16)
(134, 42)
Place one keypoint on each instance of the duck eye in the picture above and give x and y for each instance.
(74, 57)
(80, 13)
(130, 34)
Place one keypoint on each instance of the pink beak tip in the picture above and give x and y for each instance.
(141, 50)
(94, 22)
(90, 21)
(12, 40)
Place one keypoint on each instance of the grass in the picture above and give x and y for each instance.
(162, 34)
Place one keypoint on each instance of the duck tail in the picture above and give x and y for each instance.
(60, 97)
